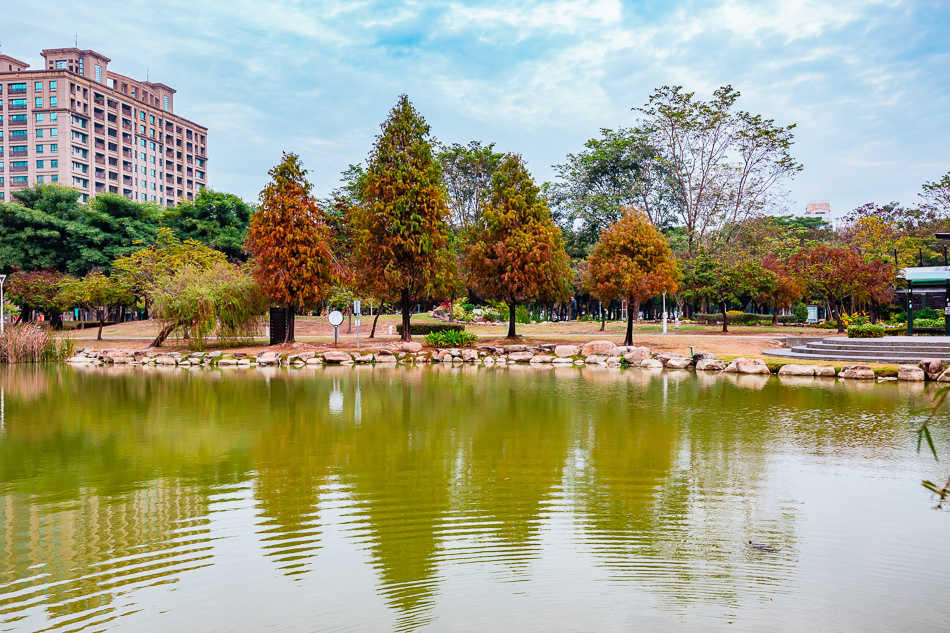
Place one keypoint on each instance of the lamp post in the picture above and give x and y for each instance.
(664, 313)
(3, 278)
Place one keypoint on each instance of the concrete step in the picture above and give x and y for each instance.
(856, 349)
(890, 358)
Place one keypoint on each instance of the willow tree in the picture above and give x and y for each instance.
(515, 251)
(290, 243)
(632, 261)
(401, 225)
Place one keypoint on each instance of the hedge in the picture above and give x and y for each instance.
(421, 329)
(868, 330)
(746, 318)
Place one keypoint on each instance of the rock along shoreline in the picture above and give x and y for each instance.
(595, 353)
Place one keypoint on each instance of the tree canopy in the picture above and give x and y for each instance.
(214, 218)
(515, 251)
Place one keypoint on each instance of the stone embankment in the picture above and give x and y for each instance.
(594, 353)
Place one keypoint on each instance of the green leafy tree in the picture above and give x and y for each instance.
(214, 218)
(116, 226)
(467, 172)
(41, 228)
(632, 261)
(37, 290)
(290, 243)
(515, 252)
(621, 169)
(719, 278)
(98, 293)
(401, 225)
(831, 273)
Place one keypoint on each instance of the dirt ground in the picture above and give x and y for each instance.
(316, 334)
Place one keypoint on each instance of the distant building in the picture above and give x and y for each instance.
(76, 123)
(818, 208)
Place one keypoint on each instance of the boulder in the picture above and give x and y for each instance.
(910, 373)
(164, 360)
(541, 358)
(268, 358)
(824, 372)
(383, 358)
(439, 314)
(614, 361)
(651, 363)
(316, 361)
(211, 354)
(679, 363)
(748, 366)
(305, 356)
(665, 357)
(620, 350)
(932, 367)
(244, 362)
(710, 365)
(562, 361)
(385, 352)
(597, 347)
(547, 348)
(945, 376)
(698, 356)
(563, 351)
(80, 360)
(227, 362)
(593, 359)
(637, 355)
(336, 357)
(411, 346)
(489, 360)
(521, 357)
(364, 358)
(469, 355)
(856, 372)
(797, 370)
(509, 349)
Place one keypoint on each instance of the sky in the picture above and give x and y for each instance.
(866, 82)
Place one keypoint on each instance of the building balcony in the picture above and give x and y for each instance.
(100, 187)
(126, 126)
(170, 180)
(99, 100)
(19, 152)
(127, 168)
(18, 185)
(100, 144)
(17, 106)
(127, 180)
(17, 91)
(18, 123)
(100, 160)
(99, 116)
(127, 152)
(100, 174)
(14, 169)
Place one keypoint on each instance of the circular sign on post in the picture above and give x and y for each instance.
(335, 317)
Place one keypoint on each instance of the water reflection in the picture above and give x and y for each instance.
(117, 479)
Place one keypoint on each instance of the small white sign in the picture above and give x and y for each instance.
(947, 310)
(356, 306)
(335, 318)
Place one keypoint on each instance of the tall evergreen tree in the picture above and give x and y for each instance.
(402, 221)
(290, 243)
(516, 252)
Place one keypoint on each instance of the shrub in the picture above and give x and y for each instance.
(926, 313)
(801, 313)
(922, 322)
(421, 329)
(450, 338)
(26, 343)
(868, 330)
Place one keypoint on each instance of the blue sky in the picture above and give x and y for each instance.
(866, 81)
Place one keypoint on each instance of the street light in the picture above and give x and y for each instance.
(3, 278)
(664, 313)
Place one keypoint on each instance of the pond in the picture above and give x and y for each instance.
(463, 498)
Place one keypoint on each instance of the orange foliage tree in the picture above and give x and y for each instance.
(515, 251)
(829, 272)
(401, 225)
(632, 261)
(780, 290)
(290, 243)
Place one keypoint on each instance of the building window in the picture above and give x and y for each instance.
(52, 102)
(54, 164)
(38, 102)
(165, 102)
(98, 73)
(39, 117)
(38, 86)
(141, 129)
(39, 164)
(151, 119)
(39, 179)
(39, 134)
(61, 64)
(54, 177)
(144, 197)
(53, 149)
(54, 132)
(142, 115)
(52, 86)
(53, 116)
(151, 146)
(39, 149)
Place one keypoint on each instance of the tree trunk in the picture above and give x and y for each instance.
(451, 310)
(774, 315)
(631, 310)
(512, 309)
(289, 326)
(406, 316)
(349, 324)
(372, 333)
(162, 335)
(725, 321)
(603, 318)
(838, 308)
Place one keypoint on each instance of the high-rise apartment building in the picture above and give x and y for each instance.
(76, 123)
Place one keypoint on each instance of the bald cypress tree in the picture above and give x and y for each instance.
(401, 224)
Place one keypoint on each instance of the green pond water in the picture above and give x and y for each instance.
(465, 499)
